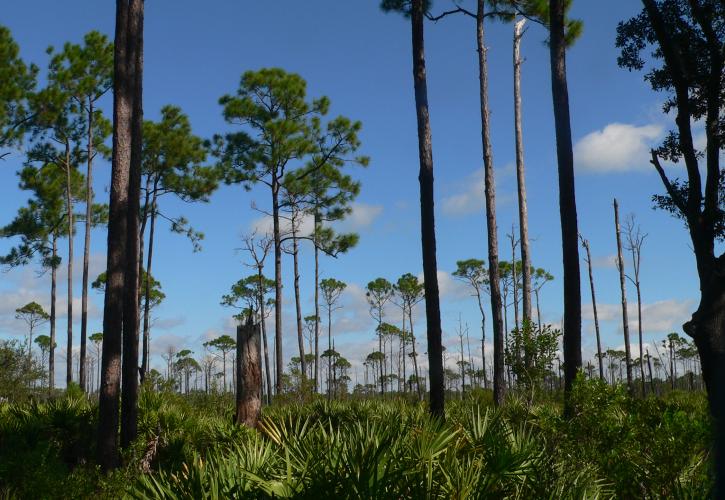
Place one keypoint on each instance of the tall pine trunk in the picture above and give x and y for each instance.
(69, 215)
(109, 391)
(427, 214)
(499, 383)
(623, 289)
(567, 199)
(521, 177)
(86, 247)
(131, 311)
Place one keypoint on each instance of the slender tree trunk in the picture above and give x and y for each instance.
(53, 288)
(499, 384)
(86, 247)
(69, 215)
(298, 306)
(146, 354)
(585, 244)
(538, 310)
(262, 321)
(403, 338)
(415, 354)
(317, 304)
(329, 350)
(649, 369)
(117, 228)
(428, 240)
(277, 286)
(483, 340)
(131, 312)
(520, 175)
(623, 288)
(515, 282)
(567, 199)
(639, 327)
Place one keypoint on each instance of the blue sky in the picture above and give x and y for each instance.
(360, 58)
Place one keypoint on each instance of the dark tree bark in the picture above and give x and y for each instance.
(248, 365)
(427, 213)
(623, 288)
(567, 198)
(521, 177)
(131, 311)
(86, 248)
(116, 260)
(585, 244)
(499, 383)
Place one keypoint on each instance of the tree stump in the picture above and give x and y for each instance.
(249, 374)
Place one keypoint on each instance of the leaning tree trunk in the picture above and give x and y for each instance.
(248, 374)
(69, 215)
(427, 212)
(86, 248)
(585, 244)
(567, 199)
(53, 288)
(623, 288)
(298, 306)
(131, 310)
(521, 177)
(499, 383)
(109, 391)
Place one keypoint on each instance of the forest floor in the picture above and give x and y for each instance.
(613, 447)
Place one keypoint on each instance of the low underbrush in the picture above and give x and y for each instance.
(613, 447)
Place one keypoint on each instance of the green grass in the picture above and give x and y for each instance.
(614, 447)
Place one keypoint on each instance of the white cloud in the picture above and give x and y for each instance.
(618, 147)
(658, 317)
(362, 216)
(471, 197)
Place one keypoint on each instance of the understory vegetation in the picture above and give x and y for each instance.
(613, 447)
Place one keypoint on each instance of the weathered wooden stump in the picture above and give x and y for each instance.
(249, 374)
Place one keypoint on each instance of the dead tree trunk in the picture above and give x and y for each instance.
(585, 244)
(623, 287)
(248, 374)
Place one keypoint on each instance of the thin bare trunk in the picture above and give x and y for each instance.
(53, 288)
(86, 248)
(277, 287)
(146, 354)
(317, 310)
(520, 175)
(298, 306)
(585, 244)
(499, 387)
